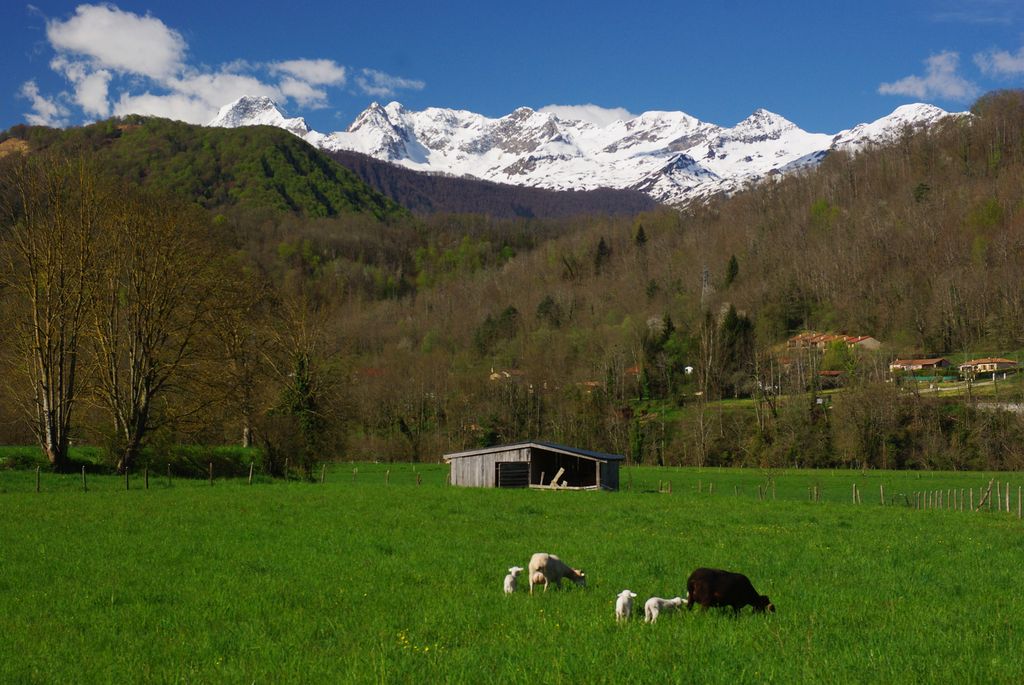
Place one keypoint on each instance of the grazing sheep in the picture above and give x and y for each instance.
(656, 605)
(712, 587)
(624, 605)
(552, 570)
(510, 579)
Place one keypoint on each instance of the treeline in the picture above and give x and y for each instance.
(658, 335)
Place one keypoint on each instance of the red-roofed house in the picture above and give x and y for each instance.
(919, 364)
(987, 365)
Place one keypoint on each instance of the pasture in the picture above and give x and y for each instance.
(355, 580)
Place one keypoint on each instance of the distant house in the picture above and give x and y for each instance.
(820, 341)
(863, 341)
(987, 365)
(919, 364)
(506, 375)
(830, 379)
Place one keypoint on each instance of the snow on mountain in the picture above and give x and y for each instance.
(888, 128)
(672, 156)
(257, 111)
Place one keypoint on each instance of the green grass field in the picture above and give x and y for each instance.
(358, 581)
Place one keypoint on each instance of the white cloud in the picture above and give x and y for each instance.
(303, 93)
(90, 86)
(317, 72)
(940, 80)
(91, 93)
(195, 98)
(45, 111)
(594, 114)
(122, 41)
(173, 106)
(119, 62)
(379, 84)
(1001, 62)
(222, 87)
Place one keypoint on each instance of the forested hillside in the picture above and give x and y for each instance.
(661, 335)
(437, 193)
(258, 167)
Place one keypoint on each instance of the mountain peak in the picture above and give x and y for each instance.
(257, 110)
(763, 120)
(889, 127)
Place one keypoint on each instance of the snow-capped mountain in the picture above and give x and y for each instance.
(257, 111)
(670, 156)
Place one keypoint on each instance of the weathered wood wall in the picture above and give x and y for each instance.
(479, 470)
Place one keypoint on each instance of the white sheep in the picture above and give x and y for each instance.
(624, 605)
(656, 605)
(510, 579)
(547, 568)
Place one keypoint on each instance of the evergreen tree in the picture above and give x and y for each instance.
(731, 271)
(640, 239)
(602, 255)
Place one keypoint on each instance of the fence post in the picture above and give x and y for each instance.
(419, 479)
(972, 498)
(853, 492)
(1007, 491)
(168, 474)
(211, 473)
(250, 472)
(355, 472)
(323, 473)
(145, 475)
(85, 488)
(126, 484)
(387, 477)
(37, 479)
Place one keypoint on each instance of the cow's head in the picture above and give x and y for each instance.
(764, 604)
(581, 577)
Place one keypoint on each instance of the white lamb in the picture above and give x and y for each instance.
(547, 568)
(656, 605)
(510, 579)
(624, 605)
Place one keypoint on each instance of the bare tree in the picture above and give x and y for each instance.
(158, 289)
(298, 426)
(53, 211)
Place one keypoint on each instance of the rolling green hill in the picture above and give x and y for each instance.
(259, 167)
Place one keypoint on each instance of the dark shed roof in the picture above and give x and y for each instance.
(553, 447)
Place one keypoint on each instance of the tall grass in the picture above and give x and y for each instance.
(358, 581)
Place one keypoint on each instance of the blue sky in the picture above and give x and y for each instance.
(826, 66)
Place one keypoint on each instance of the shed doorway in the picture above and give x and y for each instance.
(512, 474)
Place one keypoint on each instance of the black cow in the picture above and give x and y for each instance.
(712, 587)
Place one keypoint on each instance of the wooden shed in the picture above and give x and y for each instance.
(535, 465)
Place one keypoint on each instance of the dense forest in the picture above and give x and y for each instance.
(423, 193)
(345, 327)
